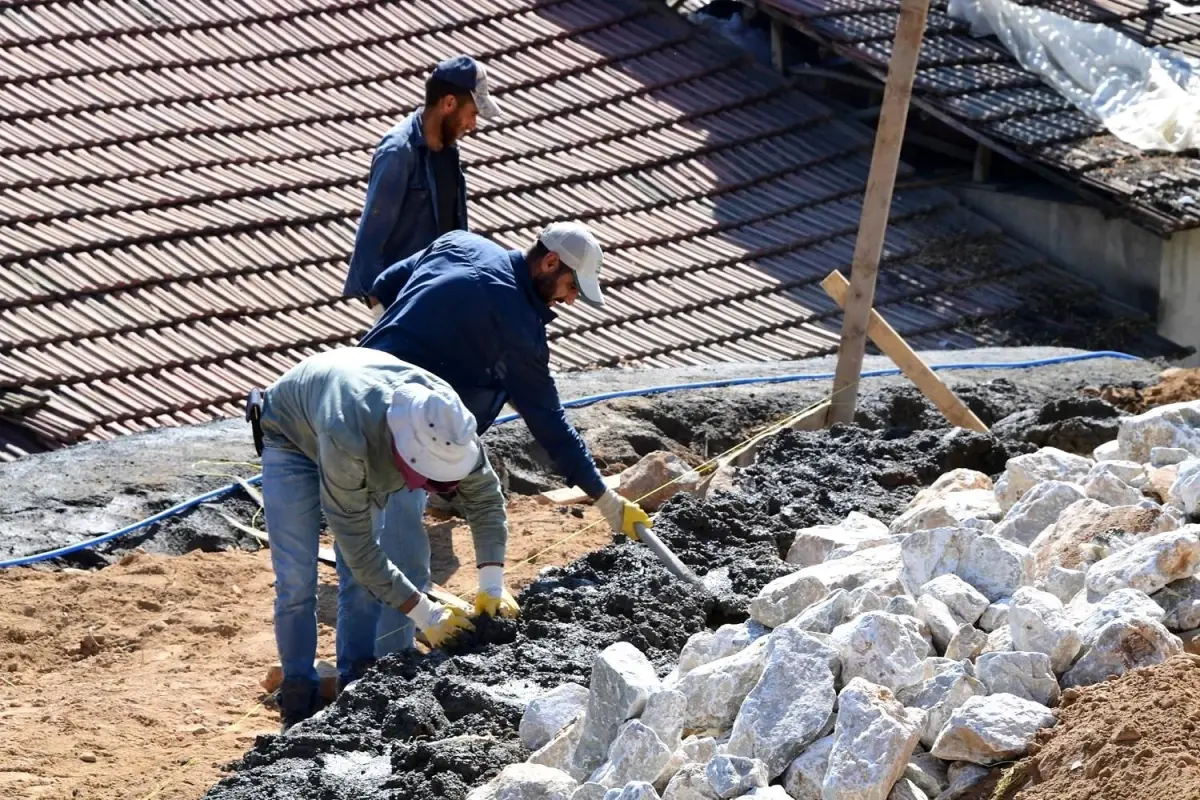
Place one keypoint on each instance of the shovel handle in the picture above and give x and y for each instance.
(664, 554)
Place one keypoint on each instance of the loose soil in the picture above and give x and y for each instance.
(1133, 738)
(1175, 385)
(152, 666)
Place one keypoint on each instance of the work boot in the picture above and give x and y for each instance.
(357, 670)
(298, 700)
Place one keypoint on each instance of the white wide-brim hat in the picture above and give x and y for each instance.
(433, 432)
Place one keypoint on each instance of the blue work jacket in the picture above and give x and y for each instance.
(400, 213)
(466, 310)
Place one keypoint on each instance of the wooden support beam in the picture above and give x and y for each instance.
(878, 200)
(894, 347)
(573, 495)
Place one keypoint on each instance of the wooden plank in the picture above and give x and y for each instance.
(573, 495)
(894, 347)
(881, 181)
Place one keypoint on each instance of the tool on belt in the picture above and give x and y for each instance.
(254, 408)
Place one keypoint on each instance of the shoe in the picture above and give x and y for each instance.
(357, 670)
(298, 700)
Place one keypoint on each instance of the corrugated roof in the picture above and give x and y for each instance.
(975, 85)
(180, 183)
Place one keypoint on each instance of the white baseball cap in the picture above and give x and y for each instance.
(433, 432)
(467, 73)
(580, 251)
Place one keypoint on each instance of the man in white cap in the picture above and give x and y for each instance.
(475, 315)
(343, 432)
(416, 190)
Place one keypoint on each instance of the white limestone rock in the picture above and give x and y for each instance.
(988, 730)
(995, 567)
(1039, 624)
(690, 783)
(806, 774)
(875, 568)
(665, 714)
(733, 776)
(824, 615)
(636, 790)
(527, 782)
(966, 644)
(1185, 489)
(715, 691)
(589, 791)
(948, 510)
(693, 750)
(637, 754)
(1022, 473)
(768, 793)
(1180, 602)
(999, 640)
(622, 680)
(1037, 510)
(882, 648)
(962, 776)
(862, 600)
(995, 615)
(1168, 456)
(938, 697)
(927, 772)
(964, 600)
(873, 739)
(1175, 425)
(1150, 564)
(788, 707)
(850, 549)
(1112, 490)
(927, 554)
(1109, 451)
(904, 789)
(708, 646)
(1121, 604)
(1025, 675)
(1129, 472)
(936, 615)
(956, 480)
(786, 597)
(1088, 531)
(545, 716)
(559, 751)
(901, 604)
(1121, 645)
(814, 545)
(1065, 583)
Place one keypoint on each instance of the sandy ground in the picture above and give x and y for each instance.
(142, 680)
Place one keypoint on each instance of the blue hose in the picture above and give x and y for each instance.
(217, 494)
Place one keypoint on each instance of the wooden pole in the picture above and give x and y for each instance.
(894, 347)
(878, 199)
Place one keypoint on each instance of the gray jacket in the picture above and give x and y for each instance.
(332, 407)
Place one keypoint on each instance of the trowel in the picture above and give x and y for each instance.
(669, 559)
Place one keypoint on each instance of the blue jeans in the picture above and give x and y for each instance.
(291, 500)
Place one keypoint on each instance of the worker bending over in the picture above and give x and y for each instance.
(475, 315)
(341, 432)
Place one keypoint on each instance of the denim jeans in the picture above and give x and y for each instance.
(291, 500)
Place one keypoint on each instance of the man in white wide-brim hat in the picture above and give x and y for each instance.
(345, 434)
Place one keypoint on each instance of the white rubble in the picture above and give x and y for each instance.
(862, 600)
(993, 566)
(1065, 583)
(1180, 600)
(882, 648)
(1088, 531)
(966, 644)
(1039, 624)
(733, 776)
(997, 567)
(815, 544)
(963, 599)
(1150, 564)
(1122, 645)
(1166, 456)
(769, 793)
(546, 715)
(622, 680)
(558, 752)
(947, 510)
(1130, 472)
(637, 754)
(527, 782)
(999, 640)
(786, 597)
(987, 730)
(995, 615)
(789, 706)
(1037, 510)
(1110, 489)
(873, 740)
(589, 791)
(1109, 451)
(1123, 603)
(1175, 425)
(875, 568)
(806, 773)
(850, 549)
(693, 750)
(636, 790)
(1185, 489)
(902, 604)
(1026, 675)
(956, 480)
(904, 789)
(824, 615)
(962, 776)
(1022, 473)
(927, 772)
(690, 783)
(665, 714)
(715, 691)
(937, 617)
(937, 698)
(809, 643)
(708, 646)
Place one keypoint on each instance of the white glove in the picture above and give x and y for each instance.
(491, 580)
(439, 623)
(621, 514)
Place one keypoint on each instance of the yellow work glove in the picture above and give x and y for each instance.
(622, 514)
(439, 623)
(493, 598)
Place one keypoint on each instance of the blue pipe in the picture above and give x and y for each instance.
(217, 494)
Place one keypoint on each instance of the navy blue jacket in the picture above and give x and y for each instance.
(400, 213)
(465, 309)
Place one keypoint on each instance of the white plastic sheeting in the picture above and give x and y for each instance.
(1147, 97)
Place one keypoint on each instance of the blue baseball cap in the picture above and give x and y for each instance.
(467, 73)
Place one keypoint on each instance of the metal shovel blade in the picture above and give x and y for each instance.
(664, 554)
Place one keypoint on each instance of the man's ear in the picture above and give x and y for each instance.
(448, 104)
(548, 265)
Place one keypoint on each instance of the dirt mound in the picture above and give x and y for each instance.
(1074, 424)
(1176, 385)
(1133, 738)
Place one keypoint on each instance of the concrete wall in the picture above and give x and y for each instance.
(1115, 254)
(1179, 289)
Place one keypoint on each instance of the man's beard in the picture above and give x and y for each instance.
(545, 285)
(449, 131)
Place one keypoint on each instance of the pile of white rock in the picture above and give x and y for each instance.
(900, 661)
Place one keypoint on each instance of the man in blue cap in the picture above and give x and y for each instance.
(416, 191)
